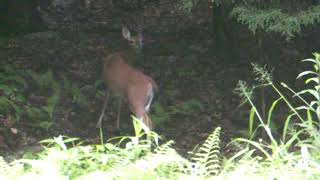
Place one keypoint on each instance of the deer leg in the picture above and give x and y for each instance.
(119, 112)
(147, 121)
(98, 125)
(142, 115)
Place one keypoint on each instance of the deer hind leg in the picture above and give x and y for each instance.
(98, 125)
(119, 112)
(146, 119)
(140, 113)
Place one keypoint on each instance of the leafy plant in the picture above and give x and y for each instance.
(278, 155)
(312, 77)
(12, 87)
(15, 88)
(161, 114)
(206, 157)
(72, 90)
(45, 86)
(43, 82)
(186, 108)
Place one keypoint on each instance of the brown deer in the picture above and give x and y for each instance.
(128, 82)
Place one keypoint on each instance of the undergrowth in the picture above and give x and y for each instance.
(30, 97)
(294, 155)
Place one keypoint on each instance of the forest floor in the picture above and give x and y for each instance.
(196, 88)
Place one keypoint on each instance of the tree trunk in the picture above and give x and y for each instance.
(224, 40)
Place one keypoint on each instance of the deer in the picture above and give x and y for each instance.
(128, 83)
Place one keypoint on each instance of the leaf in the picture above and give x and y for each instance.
(314, 93)
(285, 127)
(292, 139)
(60, 142)
(305, 108)
(306, 73)
(271, 110)
(309, 117)
(251, 120)
(314, 79)
(309, 60)
(257, 145)
(51, 103)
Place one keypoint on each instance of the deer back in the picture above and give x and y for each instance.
(120, 77)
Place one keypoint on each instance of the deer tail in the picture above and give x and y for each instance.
(154, 85)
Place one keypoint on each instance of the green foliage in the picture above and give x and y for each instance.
(265, 80)
(163, 114)
(4, 167)
(17, 85)
(187, 5)
(312, 78)
(277, 158)
(10, 75)
(308, 107)
(9, 107)
(286, 18)
(186, 108)
(66, 158)
(12, 86)
(206, 158)
(275, 20)
(160, 115)
(44, 82)
(186, 72)
(140, 156)
(38, 117)
(73, 90)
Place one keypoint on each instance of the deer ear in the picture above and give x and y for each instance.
(125, 33)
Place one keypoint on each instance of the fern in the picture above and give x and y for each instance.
(4, 167)
(8, 74)
(43, 81)
(9, 107)
(14, 87)
(72, 89)
(206, 159)
(164, 148)
(51, 104)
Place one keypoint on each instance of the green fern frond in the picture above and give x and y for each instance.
(206, 159)
(9, 74)
(164, 148)
(44, 80)
(4, 167)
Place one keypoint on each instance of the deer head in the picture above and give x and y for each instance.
(134, 41)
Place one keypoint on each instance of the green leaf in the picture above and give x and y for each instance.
(309, 60)
(285, 127)
(306, 73)
(271, 110)
(314, 93)
(314, 79)
(251, 120)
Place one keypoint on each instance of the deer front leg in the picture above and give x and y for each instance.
(98, 125)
